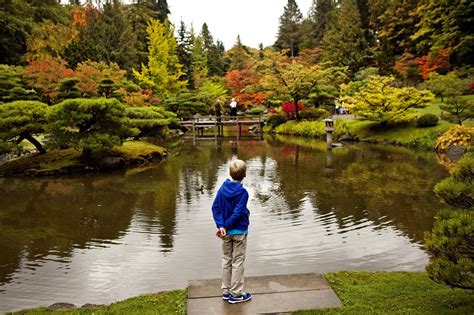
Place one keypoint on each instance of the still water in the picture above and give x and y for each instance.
(105, 237)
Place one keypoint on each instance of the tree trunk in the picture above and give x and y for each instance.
(297, 112)
(36, 143)
(86, 154)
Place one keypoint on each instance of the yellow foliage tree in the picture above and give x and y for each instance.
(163, 71)
(381, 100)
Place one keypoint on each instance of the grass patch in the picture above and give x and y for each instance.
(360, 293)
(399, 134)
(173, 302)
(134, 149)
(395, 293)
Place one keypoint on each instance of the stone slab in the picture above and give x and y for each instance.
(271, 295)
(261, 284)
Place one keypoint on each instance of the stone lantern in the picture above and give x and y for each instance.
(329, 128)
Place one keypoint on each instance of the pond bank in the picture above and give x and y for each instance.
(368, 131)
(360, 292)
(68, 161)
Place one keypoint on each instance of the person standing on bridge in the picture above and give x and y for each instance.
(218, 110)
(231, 216)
(233, 107)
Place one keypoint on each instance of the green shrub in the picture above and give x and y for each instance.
(185, 105)
(256, 111)
(275, 120)
(311, 129)
(463, 171)
(312, 114)
(450, 246)
(455, 193)
(427, 120)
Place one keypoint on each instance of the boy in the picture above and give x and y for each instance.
(232, 220)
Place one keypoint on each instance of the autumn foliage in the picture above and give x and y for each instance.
(44, 73)
(433, 62)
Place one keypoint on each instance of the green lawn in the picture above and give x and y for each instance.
(395, 293)
(360, 293)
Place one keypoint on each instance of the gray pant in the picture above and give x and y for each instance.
(233, 257)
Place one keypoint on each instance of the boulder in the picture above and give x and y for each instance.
(61, 306)
(455, 152)
(113, 162)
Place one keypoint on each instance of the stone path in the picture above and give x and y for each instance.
(271, 294)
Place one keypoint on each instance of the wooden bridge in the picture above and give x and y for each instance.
(199, 123)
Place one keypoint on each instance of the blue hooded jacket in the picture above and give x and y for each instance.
(229, 208)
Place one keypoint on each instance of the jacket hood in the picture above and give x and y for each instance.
(231, 189)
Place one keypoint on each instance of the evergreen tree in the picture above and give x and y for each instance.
(394, 28)
(446, 24)
(16, 22)
(289, 31)
(344, 43)
(239, 56)
(214, 53)
(185, 53)
(22, 120)
(89, 124)
(12, 87)
(107, 37)
(450, 242)
(317, 21)
(199, 61)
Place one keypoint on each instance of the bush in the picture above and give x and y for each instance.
(456, 193)
(449, 244)
(276, 120)
(313, 114)
(255, 111)
(185, 105)
(455, 136)
(450, 247)
(427, 120)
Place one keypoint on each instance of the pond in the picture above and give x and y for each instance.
(100, 238)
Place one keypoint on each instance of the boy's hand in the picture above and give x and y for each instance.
(221, 232)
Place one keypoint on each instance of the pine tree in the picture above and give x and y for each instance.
(22, 120)
(185, 53)
(106, 37)
(214, 53)
(239, 56)
(449, 243)
(199, 60)
(317, 21)
(344, 43)
(394, 28)
(289, 31)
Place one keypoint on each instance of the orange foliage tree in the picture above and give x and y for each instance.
(90, 73)
(433, 62)
(238, 81)
(44, 73)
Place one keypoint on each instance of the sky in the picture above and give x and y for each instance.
(256, 21)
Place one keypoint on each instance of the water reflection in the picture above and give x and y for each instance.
(99, 238)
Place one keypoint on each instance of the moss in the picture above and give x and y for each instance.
(61, 162)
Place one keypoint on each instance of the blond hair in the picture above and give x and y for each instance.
(238, 170)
